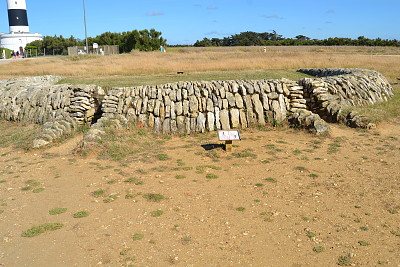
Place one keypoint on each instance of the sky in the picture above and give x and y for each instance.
(185, 21)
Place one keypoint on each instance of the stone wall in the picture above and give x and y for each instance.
(339, 89)
(188, 107)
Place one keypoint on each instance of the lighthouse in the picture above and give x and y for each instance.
(17, 16)
(19, 34)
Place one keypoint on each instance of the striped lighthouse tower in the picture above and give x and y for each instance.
(19, 35)
(17, 16)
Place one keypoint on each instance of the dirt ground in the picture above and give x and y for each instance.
(280, 198)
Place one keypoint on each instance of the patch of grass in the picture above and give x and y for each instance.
(38, 190)
(395, 233)
(364, 228)
(179, 176)
(162, 157)
(98, 193)
(313, 175)
(318, 249)
(259, 185)
(186, 240)
(306, 219)
(297, 151)
(363, 243)
(344, 261)
(136, 237)
(37, 230)
(310, 234)
(2, 181)
(32, 183)
(81, 214)
(393, 211)
(111, 198)
(156, 213)
(212, 176)
(300, 168)
(57, 211)
(153, 197)
(270, 179)
(244, 154)
(240, 208)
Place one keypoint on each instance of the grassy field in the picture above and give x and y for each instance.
(224, 63)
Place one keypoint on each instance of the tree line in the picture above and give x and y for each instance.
(273, 39)
(143, 40)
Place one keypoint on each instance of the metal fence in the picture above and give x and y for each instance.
(101, 50)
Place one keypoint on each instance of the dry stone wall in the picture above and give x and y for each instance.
(339, 89)
(188, 107)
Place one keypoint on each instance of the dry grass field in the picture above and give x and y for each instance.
(282, 197)
(205, 64)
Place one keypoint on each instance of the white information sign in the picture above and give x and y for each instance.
(228, 135)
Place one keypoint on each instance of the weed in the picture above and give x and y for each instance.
(156, 213)
(300, 168)
(180, 162)
(186, 240)
(318, 249)
(57, 211)
(271, 180)
(364, 228)
(98, 193)
(131, 180)
(153, 197)
(129, 196)
(162, 157)
(395, 233)
(357, 206)
(187, 168)
(178, 176)
(392, 211)
(313, 175)
(363, 243)
(240, 209)
(111, 198)
(259, 185)
(113, 181)
(81, 214)
(137, 237)
(297, 151)
(306, 219)
(32, 183)
(212, 176)
(344, 261)
(37, 230)
(310, 234)
(2, 181)
(124, 251)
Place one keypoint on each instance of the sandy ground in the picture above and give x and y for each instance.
(278, 199)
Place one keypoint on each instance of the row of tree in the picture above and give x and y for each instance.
(144, 40)
(273, 39)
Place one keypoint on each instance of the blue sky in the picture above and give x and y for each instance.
(185, 21)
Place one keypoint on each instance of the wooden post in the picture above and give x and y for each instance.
(228, 145)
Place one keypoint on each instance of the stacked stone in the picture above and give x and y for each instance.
(297, 98)
(85, 102)
(187, 107)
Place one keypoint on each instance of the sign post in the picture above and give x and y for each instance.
(229, 137)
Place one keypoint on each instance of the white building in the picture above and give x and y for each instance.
(19, 34)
